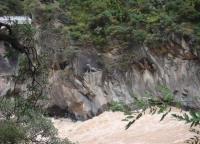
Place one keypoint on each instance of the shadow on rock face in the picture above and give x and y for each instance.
(57, 112)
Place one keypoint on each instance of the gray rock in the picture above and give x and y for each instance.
(88, 95)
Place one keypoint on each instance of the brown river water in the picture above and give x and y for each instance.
(108, 128)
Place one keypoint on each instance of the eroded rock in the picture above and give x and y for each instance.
(86, 94)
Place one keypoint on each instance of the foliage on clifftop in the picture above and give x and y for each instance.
(150, 22)
(11, 7)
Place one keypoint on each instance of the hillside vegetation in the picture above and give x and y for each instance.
(149, 22)
(102, 25)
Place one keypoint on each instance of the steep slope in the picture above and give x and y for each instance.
(103, 51)
(116, 51)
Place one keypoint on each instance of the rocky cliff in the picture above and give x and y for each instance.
(84, 88)
(84, 80)
(8, 66)
(81, 87)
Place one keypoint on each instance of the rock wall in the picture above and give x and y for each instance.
(7, 68)
(80, 88)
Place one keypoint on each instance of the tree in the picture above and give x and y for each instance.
(22, 117)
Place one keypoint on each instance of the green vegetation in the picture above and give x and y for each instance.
(11, 7)
(159, 105)
(163, 105)
(22, 117)
(10, 132)
(150, 22)
(192, 118)
(119, 106)
(107, 25)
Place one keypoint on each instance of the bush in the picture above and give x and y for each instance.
(10, 132)
(11, 7)
(138, 21)
(119, 106)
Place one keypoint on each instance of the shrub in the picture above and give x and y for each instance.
(10, 132)
(140, 21)
(119, 106)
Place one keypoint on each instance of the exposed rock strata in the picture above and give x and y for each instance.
(85, 93)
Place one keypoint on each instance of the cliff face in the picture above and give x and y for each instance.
(84, 80)
(7, 68)
(81, 87)
(84, 89)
